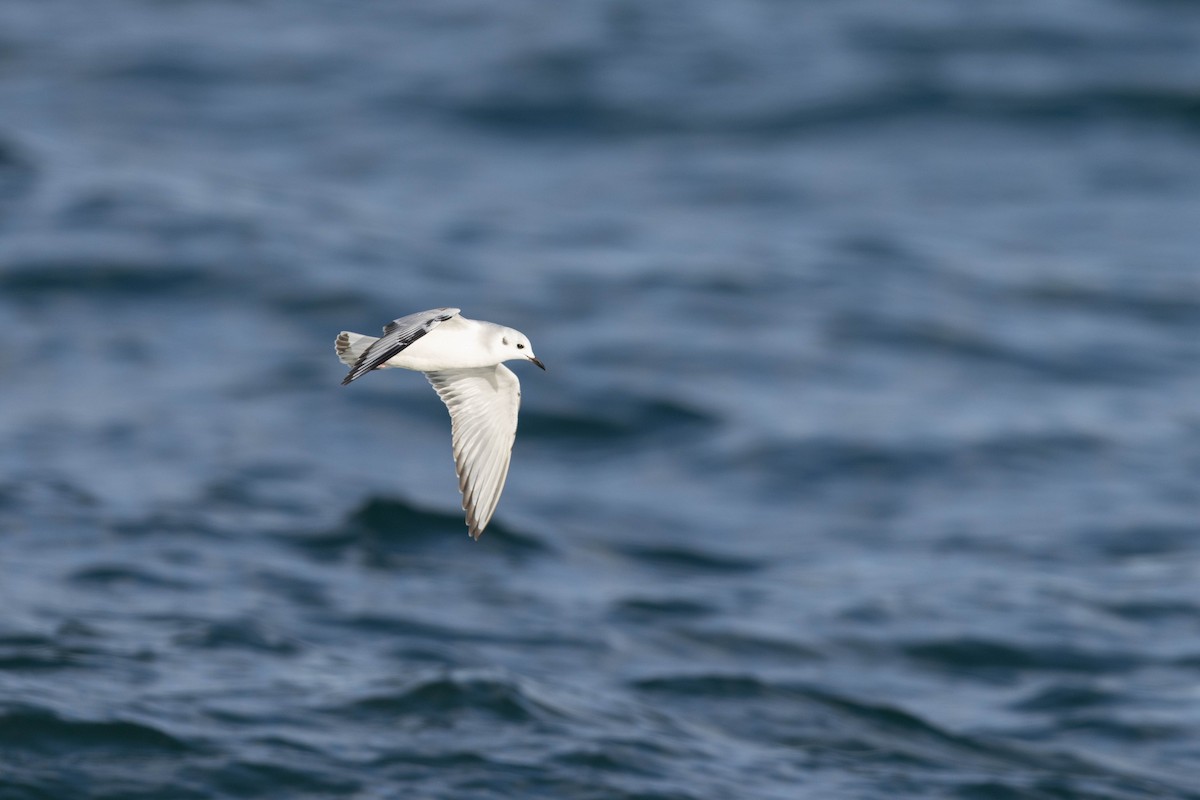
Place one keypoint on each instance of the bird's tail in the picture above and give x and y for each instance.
(351, 346)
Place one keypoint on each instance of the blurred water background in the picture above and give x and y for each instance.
(865, 465)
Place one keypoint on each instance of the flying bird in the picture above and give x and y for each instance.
(464, 361)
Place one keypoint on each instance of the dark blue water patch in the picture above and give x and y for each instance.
(405, 628)
(617, 420)
(32, 779)
(47, 755)
(862, 259)
(909, 100)
(1078, 106)
(449, 699)
(420, 636)
(382, 530)
(35, 494)
(1107, 726)
(42, 731)
(1097, 365)
(994, 659)
(1166, 309)
(810, 462)
(249, 635)
(300, 591)
(145, 209)
(1008, 37)
(12, 158)
(1131, 102)
(706, 685)
(116, 278)
(118, 576)
(558, 105)
(450, 760)
(1052, 788)
(1188, 662)
(1067, 697)
(23, 652)
(551, 94)
(735, 645)
(822, 460)
(303, 780)
(396, 518)
(334, 305)
(832, 731)
(1150, 610)
(18, 174)
(715, 295)
(633, 758)
(657, 610)
(174, 523)
(175, 70)
(258, 488)
(802, 716)
(1146, 539)
(690, 560)
(1029, 451)
(471, 775)
(74, 646)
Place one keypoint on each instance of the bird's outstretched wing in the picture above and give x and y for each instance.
(398, 334)
(483, 407)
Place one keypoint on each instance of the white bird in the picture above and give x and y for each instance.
(463, 360)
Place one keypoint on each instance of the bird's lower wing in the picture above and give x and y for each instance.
(483, 406)
(398, 334)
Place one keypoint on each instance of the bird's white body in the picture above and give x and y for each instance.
(457, 343)
(462, 358)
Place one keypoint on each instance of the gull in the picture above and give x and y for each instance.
(464, 361)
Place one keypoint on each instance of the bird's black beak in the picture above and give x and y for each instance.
(537, 361)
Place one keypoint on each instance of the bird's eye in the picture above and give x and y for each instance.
(520, 347)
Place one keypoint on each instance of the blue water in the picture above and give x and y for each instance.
(866, 464)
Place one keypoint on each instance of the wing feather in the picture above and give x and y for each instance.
(483, 405)
(397, 335)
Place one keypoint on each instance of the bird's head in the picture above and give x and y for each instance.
(514, 344)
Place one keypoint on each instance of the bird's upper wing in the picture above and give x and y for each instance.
(397, 335)
(483, 405)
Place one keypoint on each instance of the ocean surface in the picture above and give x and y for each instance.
(866, 465)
